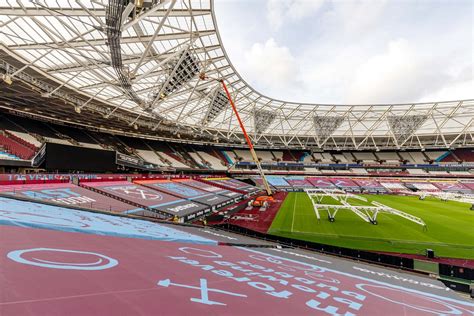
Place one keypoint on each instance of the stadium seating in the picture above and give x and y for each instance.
(265, 155)
(23, 136)
(388, 157)
(460, 173)
(463, 154)
(174, 160)
(418, 157)
(213, 162)
(310, 170)
(230, 156)
(150, 156)
(308, 158)
(283, 155)
(340, 158)
(349, 157)
(417, 171)
(435, 156)
(323, 157)
(406, 158)
(15, 147)
(355, 184)
(358, 171)
(243, 154)
(365, 157)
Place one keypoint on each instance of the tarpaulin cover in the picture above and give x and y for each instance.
(344, 183)
(369, 184)
(393, 185)
(174, 188)
(320, 182)
(469, 185)
(148, 197)
(234, 184)
(451, 186)
(278, 181)
(67, 193)
(29, 214)
(209, 188)
(298, 182)
(424, 186)
(193, 194)
(50, 272)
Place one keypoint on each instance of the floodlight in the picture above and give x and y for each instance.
(218, 103)
(180, 70)
(262, 119)
(404, 126)
(324, 126)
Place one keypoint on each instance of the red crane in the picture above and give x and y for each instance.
(203, 76)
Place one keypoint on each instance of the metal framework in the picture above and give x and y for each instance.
(447, 196)
(368, 213)
(127, 59)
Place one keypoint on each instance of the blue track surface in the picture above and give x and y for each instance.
(28, 214)
(278, 181)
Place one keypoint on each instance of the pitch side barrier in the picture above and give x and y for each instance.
(455, 277)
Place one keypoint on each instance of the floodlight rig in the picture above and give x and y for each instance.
(368, 213)
(447, 196)
(203, 76)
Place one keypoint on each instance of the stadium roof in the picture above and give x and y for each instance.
(140, 65)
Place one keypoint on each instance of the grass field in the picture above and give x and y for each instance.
(450, 226)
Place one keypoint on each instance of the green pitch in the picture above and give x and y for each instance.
(450, 226)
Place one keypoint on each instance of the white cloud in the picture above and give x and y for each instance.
(355, 16)
(452, 91)
(281, 11)
(400, 74)
(272, 65)
(357, 51)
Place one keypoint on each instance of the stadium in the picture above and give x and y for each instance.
(141, 174)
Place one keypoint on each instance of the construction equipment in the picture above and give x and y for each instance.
(261, 200)
(242, 127)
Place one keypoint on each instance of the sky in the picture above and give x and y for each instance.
(352, 51)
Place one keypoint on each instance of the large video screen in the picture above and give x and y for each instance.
(65, 157)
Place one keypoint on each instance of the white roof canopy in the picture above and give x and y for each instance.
(67, 41)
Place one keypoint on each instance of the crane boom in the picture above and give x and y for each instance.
(249, 142)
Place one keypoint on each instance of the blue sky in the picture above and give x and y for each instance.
(352, 51)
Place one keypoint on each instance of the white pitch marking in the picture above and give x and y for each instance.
(294, 206)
